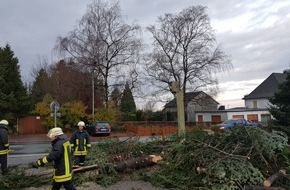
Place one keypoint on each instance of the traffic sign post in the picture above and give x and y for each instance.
(54, 106)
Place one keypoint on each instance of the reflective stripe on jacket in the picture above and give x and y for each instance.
(80, 141)
(61, 155)
(4, 145)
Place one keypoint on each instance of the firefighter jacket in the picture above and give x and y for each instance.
(4, 145)
(80, 142)
(61, 156)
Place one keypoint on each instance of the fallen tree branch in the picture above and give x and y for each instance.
(223, 152)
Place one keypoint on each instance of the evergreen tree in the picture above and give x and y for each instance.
(280, 108)
(38, 87)
(14, 102)
(116, 97)
(127, 103)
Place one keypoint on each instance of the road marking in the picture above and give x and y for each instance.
(16, 146)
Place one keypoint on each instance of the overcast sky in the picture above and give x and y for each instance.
(256, 34)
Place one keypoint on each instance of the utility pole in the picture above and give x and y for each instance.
(93, 93)
(178, 93)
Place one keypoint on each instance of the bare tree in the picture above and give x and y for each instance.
(185, 50)
(105, 44)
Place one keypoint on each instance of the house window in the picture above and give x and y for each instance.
(255, 105)
(252, 117)
(265, 118)
(238, 116)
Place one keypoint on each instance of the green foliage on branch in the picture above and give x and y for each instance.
(213, 161)
(226, 160)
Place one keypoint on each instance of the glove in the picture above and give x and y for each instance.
(35, 165)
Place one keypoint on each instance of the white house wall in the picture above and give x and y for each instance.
(231, 115)
(261, 103)
(208, 116)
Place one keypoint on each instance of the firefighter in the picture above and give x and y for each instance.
(4, 146)
(61, 156)
(80, 143)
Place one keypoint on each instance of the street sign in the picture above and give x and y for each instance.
(57, 114)
(54, 106)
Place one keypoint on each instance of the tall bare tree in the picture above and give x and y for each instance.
(185, 50)
(105, 44)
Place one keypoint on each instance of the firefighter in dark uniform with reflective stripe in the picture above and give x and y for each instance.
(4, 146)
(61, 156)
(80, 143)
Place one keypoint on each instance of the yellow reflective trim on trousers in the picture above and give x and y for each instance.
(80, 153)
(6, 145)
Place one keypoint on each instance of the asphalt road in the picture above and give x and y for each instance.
(25, 153)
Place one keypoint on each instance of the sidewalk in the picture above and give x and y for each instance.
(29, 138)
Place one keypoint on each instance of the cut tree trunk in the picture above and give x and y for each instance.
(132, 163)
(85, 168)
(254, 187)
(271, 179)
(137, 163)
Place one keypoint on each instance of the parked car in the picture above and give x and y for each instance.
(228, 124)
(99, 128)
(254, 124)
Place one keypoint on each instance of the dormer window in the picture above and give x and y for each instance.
(255, 104)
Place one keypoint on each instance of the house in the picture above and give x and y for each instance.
(200, 107)
(256, 103)
(259, 97)
(193, 101)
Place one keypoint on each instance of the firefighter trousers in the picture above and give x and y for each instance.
(68, 185)
(3, 162)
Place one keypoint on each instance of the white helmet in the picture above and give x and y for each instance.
(54, 132)
(81, 123)
(4, 122)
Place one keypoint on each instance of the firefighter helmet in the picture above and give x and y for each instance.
(4, 122)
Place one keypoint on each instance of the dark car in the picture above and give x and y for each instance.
(99, 128)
